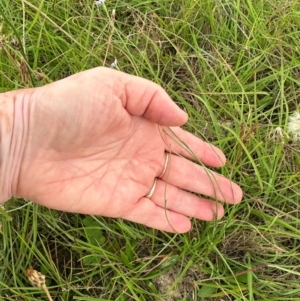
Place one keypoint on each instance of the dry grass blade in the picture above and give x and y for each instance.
(24, 72)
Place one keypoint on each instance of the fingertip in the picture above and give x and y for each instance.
(238, 194)
(181, 224)
(214, 156)
(185, 117)
(164, 111)
(218, 211)
(234, 194)
(211, 211)
(171, 221)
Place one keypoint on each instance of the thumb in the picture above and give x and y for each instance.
(141, 97)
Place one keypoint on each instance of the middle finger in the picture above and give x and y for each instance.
(190, 176)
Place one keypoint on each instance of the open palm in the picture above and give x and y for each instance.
(95, 143)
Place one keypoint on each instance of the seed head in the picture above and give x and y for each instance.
(294, 126)
(36, 278)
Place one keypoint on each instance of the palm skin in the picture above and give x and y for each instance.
(94, 145)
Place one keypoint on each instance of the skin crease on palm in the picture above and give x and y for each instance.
(94, 142)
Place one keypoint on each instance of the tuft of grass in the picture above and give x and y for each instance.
(234, 67)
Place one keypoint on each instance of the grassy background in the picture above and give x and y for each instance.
(234, 67)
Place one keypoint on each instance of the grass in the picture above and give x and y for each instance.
(234, 67)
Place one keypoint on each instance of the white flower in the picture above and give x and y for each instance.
(294, 126)
(114, 64)
(99, 2)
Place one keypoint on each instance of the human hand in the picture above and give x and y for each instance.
(93, 144)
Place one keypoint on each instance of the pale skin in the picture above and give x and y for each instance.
(93, 143)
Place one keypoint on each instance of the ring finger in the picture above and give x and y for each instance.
(177, 200)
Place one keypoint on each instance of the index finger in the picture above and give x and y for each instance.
(181, 142)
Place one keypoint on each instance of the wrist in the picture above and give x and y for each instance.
(14, 112)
